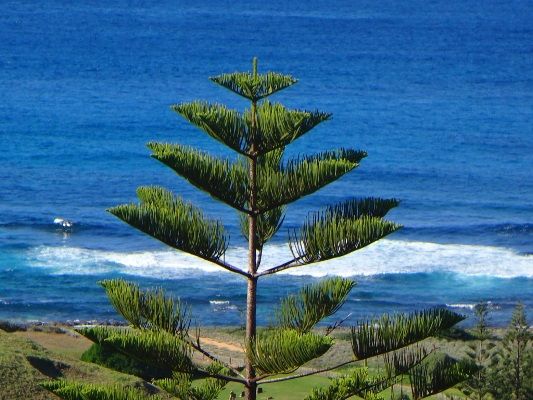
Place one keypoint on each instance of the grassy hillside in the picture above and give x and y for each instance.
(52, 355)
(29, 357)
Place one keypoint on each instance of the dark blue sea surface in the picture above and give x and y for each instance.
(440, 95)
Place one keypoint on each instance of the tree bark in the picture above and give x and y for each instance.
(251, 295)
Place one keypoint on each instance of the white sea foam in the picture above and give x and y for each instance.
(222, 305)
(470, 306)
(461, 305)
(386, 256)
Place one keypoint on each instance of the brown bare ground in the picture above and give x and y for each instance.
(221, 345)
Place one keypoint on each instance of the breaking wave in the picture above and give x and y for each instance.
(384, 257)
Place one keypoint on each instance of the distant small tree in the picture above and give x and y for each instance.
(480, 353)
(259, 185)
(512, 378)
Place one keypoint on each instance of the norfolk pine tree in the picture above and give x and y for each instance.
(481, 353)
(259, 186)
(512, 378)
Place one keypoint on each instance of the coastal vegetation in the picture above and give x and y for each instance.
(259, 183)
(503, 359)
(58, 350)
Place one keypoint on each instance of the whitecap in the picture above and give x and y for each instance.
(461, 305)
(218, 302)
(383, 257)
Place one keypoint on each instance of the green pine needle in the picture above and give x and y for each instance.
(252, 86)
(303, 176)
(219, 122)
(267, 225)
(69, 390)
(341, 229)
(402, 361)
(98, 334)
(280, 351)
(158, 348)
(276, 126)
(181, 385)
(314, 302)
(333, 237)
(148, 309)
(388, 333)
(356, 208)
(433, 377)
(222, 179)
(356, 383)
(178, 224)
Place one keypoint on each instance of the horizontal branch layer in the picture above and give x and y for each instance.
(252, 86)
(283, 350)
(222, 179)
(313, 303)
(276, 126)
(168, 219)
(303, 176)
(388, 333)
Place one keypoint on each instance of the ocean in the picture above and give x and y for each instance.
(440, 95)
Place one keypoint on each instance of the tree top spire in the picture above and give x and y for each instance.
(254, 66)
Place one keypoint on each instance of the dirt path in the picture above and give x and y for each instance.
(221, 345)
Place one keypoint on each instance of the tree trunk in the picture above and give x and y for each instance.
(251, 388)
(251, 296)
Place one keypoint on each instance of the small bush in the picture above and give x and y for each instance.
(110, 358)
(9, 326)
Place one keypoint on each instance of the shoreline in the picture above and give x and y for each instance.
(10, 325)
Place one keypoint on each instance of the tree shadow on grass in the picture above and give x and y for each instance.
(50, 368)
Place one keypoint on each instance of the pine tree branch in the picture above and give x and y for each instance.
(228, 378)
(342, 229)
(182, 226)
(155, 347)
(267, 225)
(386, 334)
(148, 309)
(337, 324)
(302, 176)
(284, 350)
(327, 369)
(276, 126)
(223, 180)
(253, 86)
(357, 382)
(303, 374)
(222, 124)
(428, 379)
(89, 391)
(286, 265)
(229, 267)
(313, 303)
(401, 362)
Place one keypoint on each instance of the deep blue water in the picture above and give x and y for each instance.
(440, 94)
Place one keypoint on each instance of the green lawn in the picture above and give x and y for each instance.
(291, 390)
